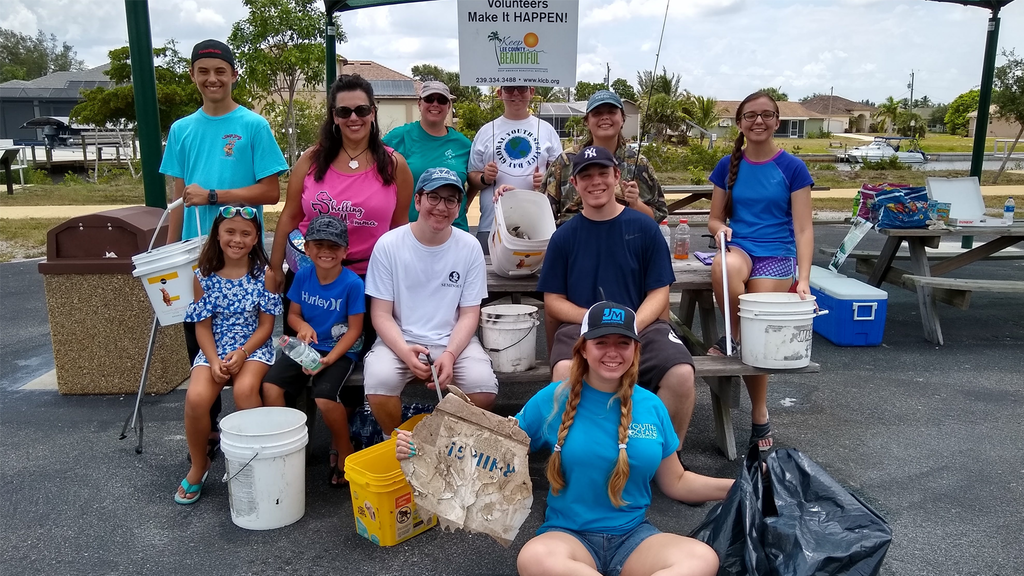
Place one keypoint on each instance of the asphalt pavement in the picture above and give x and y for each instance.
(930, 436)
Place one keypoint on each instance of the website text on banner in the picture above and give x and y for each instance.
(518, 42)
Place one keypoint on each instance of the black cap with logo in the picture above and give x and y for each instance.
(606, 318)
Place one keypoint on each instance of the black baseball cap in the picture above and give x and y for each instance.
(213, 49)
(328, 227)
(606, 318)
(592, 155)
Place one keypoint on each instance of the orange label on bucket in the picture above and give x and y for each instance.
(527, 254)
(403, 500)
(164, 278)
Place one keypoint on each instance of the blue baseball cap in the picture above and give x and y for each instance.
(592, 155)
(604, 97)
(434, 178)
(606, 318)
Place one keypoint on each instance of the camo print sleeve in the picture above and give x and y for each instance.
(651, 192)
(561, 193)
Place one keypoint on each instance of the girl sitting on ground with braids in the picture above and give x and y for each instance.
(609, 438)
(765, 195)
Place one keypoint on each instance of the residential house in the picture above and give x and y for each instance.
(997, 127)
(559, 113)
(51, 95)
(842, 114)
(795, 121)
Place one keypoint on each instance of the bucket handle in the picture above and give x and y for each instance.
(816, 313)
(535, 323)
(172, 206)
(242, 468)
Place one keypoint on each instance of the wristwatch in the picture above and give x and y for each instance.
(211, 197)
(482, 181)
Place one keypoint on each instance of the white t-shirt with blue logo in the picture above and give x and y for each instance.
(326, 307)
(590, 452)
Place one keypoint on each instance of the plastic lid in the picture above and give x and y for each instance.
(683, 221)
(665, 221)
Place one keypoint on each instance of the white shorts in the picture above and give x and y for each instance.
(385, 374)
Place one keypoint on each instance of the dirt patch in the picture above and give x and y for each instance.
(11, 251)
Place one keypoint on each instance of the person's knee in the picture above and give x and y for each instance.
(483, 400)
(537, 558)
(704, 559)
(560, 371)
(679, 380)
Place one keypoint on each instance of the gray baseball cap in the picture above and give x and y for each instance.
(328, 227)
(434, 87)
(603, 97)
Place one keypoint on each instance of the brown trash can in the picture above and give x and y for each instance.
(100, 316)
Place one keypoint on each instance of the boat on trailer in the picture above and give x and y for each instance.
(905, 148)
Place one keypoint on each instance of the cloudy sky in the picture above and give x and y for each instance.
(721, 48)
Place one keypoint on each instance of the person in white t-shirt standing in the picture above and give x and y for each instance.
(426, 281)
(514, 149)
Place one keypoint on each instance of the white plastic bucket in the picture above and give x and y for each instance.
(777, 329)
(266, 466)
(166, 273)
(508, 333)
(531, 212)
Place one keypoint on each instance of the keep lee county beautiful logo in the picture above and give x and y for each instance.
(508, 50)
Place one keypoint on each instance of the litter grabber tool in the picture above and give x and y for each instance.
(433, 373)
(725, 295)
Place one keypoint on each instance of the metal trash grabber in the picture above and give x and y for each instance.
(725, 295)
(433, 372)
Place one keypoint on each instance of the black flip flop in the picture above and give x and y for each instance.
(760, 432)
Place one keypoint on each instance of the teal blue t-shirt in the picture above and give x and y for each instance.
(220, 153)
(590, 451)
(422, 150)
(326, 307)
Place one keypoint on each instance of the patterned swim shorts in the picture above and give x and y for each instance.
(773, 267)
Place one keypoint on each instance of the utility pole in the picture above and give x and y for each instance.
(910, 105)
(608, 76)
(828, 127)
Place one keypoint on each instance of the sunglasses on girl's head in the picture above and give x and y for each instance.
(767, 115)
(435, 99)
(363, 110)
(246, 212)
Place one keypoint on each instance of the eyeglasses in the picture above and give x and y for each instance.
(514, 89)
(246, 212)
(435, 99)
(363, 110)
(433, 198)
(767, 115)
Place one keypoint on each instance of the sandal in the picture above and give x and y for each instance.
(719, 348)
(196, 489)
(759, 432)
(336, 478)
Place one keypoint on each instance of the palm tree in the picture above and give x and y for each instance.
(704, 113)
(496, 38)
(663, 83)
(887, 114)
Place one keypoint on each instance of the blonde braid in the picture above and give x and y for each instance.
(576, 371)
(620, 474)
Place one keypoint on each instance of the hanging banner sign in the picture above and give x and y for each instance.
(518, 42)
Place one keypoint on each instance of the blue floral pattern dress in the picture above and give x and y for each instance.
(235, 306)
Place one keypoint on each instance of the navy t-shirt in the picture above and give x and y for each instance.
(626, 257)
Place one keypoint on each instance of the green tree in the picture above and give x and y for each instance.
(959, 108)
(23, 57)
(624, 89)
(662, 84)
(425, 72)
(938, 115)
(809, 96)
(472, 115)
(923, 102)
(887, 113)
(550, 94)
(280, 49)
(866, 102)
(776, 93)
(1008, 96)
(910, 123)
(584, 90)
(575, 127)
(308, 116)
(704, 113)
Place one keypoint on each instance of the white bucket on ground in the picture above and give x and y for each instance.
(531, 212)
(777, 329)
(508, 333)
(266, 466)
(166, 273)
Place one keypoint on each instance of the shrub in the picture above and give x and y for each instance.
(32, 176)
(824, 166)
(890, 163)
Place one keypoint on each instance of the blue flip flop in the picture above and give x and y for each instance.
(196, 489)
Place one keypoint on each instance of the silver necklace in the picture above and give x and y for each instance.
(352, 162)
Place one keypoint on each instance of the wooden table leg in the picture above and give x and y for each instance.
(723, 399)
(687, 307)
(708, 317)
(925, 297)
(885, 258)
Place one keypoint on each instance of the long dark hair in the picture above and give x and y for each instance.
(331, 140)
(737, 148)
(211, 259)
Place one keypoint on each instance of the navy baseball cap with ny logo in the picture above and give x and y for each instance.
(592, 155)
(606, 318)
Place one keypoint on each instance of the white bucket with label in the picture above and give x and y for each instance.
(266, 466)
(167, 272)
(777, 329)
(529, 213)
(508, 333)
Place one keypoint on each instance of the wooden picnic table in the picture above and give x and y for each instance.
(691, 194)
(923, 276)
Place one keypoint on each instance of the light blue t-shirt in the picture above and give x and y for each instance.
(762, 211)
(422, 150)
(326, 307)
(220, 153)
(590, 452)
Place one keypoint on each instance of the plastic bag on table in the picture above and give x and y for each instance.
(800, 522)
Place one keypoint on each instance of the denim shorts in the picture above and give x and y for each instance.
(610, 551)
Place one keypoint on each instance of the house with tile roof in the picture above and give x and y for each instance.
(843, 115)
(796, 121)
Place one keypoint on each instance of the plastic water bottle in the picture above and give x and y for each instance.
(302, 353)
(667, 233)
(681, 240)
(1008, 210)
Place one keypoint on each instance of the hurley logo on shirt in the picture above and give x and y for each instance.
(643, 431)
(325, 303)
(229, 146)
(453, 280)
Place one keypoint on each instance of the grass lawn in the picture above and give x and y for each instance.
(24, 237)
(931, 143)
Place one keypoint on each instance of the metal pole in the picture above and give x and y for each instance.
(985, 98)
(332, 58)
(147, 114)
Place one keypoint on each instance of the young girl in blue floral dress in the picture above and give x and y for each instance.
(234, 315)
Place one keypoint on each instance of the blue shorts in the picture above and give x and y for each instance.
(610, 551)
(773, 267)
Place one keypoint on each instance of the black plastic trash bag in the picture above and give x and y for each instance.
(794, 521)
(364, 430)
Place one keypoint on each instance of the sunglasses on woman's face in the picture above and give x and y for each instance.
(435, 99)
(246, 212)
(343, 112)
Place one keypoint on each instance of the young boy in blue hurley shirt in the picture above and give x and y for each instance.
(327, 306)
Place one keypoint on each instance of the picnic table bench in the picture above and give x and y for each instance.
(693, 193)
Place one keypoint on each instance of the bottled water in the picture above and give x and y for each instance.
(681, 240)
(667, 233)
(302, 353)
(1008, 210)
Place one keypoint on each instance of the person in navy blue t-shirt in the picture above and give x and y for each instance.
(616, 253)
(326, 312)
(765, 194)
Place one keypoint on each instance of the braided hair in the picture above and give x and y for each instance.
(331, 141)
(737, 148)
(578, 369)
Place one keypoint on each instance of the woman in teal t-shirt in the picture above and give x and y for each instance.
(429, 143)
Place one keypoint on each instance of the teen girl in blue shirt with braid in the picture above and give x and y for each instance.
(608, 439)
(765, 195)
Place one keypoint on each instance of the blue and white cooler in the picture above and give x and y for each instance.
(856, 311)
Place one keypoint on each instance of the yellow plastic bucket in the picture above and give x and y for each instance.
(382, 501)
